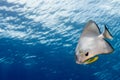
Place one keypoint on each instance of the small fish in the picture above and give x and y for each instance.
(92, 43)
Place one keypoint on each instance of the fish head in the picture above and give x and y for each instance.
(85, 57)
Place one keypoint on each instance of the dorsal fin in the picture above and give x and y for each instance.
(91, 29)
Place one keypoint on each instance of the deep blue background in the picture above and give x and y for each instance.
(38, 39)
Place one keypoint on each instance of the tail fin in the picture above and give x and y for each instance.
(107, 34)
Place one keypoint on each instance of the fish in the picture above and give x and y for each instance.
(92, 43)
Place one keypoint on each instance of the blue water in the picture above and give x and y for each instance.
(38, 39)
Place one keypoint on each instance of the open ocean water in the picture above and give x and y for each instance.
(38, 39)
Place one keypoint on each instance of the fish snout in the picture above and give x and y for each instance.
(78, 60)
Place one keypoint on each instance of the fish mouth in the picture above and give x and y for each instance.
(91, 60)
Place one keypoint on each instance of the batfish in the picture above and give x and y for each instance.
(92, 43)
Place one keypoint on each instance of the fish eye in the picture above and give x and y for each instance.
(87, 54)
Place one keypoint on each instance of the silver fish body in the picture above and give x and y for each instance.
(92, 43)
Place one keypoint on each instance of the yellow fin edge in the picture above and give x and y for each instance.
(91, 60)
